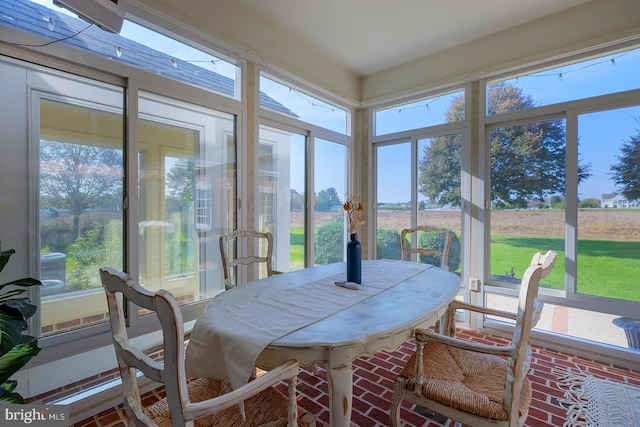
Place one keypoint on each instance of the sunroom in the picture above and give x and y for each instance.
(139, 149)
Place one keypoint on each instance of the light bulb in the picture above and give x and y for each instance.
(50, 22)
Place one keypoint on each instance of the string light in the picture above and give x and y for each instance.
(427, 105)
(565, 72)
(311, 102)
(118, 49)
(50, 22)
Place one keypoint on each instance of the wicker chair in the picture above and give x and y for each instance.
(256, 242)
(472, 383)
(443, 254)
(199, 402)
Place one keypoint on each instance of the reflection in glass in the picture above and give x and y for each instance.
(186, 195)
(292, 102)
(81, 216)
(282, 196)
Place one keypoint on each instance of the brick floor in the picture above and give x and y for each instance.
(373, 388)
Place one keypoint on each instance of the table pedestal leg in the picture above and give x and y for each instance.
(340, 379)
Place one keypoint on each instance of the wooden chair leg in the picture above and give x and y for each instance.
(396, 400)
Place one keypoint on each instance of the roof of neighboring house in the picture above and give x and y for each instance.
(32, 18)
(608, 196)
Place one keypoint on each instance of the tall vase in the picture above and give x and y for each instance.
(354, 259)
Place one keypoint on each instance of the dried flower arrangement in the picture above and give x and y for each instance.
(355, 212)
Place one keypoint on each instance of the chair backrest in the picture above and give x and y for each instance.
(443, 239)
(171, 373)
(529, 310)
(260, 251)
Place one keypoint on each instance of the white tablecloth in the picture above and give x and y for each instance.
(231, 333)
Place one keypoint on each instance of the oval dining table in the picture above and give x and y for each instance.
(303, 315)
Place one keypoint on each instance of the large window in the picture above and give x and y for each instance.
(443, 108)
(290, 101)
(601, 75)
(84, 178)
(418, 173)
(302, 133)
(563, 177)
(186, 191)
(136, 46)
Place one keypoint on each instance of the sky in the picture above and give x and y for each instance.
(600, 134)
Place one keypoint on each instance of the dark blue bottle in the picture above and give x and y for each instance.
(354, 260)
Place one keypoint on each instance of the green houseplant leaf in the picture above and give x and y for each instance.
(10, 330)
(17, 357)
(16, 349)
(7, 395)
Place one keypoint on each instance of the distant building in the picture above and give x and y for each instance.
(618, 201)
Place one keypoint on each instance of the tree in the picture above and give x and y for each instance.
(326, 199)
(296, 200)
(77, 177)
(626, 173)
(589, 203)
(556, 202)
(527, 160)
(180, 182)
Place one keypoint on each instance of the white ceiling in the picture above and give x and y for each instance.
(369, 36)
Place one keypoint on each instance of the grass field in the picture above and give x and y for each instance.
(608, 249)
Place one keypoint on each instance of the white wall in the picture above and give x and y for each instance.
(593, 24)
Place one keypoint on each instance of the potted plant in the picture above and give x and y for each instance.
(16, 349)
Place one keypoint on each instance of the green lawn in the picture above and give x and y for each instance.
(296, 248)
(605, 268)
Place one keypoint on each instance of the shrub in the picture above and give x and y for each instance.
(329, 243)
(388, 244)
(435, 241)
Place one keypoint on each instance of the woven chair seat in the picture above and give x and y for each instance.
(466, 380)
(266, 409)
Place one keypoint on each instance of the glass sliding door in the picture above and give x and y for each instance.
(81, 187)
(186, 195)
